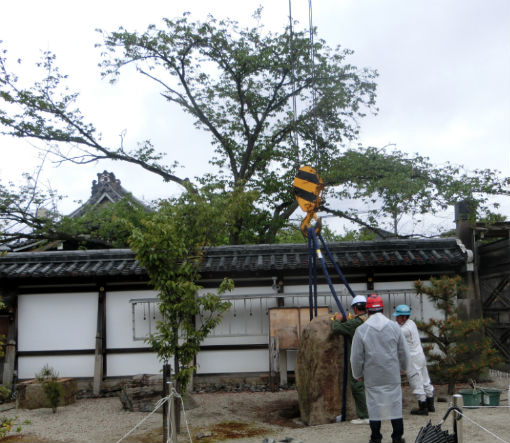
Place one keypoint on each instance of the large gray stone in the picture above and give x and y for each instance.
(319, 374)
(143, 391)
(30, 394)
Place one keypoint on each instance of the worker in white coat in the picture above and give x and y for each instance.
(379, 354)
(417, 373)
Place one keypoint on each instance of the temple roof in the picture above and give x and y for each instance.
(372, 256)
(106, 189)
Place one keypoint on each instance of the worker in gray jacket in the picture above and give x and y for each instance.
(379, 354)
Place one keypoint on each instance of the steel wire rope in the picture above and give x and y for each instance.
(294, 133)
(481, 427)
(314, 92)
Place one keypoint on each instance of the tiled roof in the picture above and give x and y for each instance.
(350, 256)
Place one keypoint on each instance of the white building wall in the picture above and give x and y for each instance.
(212, 362)
(65, 366)
(57, 322)
(68, 322)
(132, 364)
(121, 332)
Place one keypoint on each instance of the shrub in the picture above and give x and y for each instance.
(6, 424)
(459, 351)
(51, 387)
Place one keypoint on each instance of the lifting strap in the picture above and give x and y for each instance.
(314, 252)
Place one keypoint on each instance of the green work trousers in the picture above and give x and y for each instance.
(358, 392)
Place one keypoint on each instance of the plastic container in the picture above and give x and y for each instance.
(471, 397)
(490, 396)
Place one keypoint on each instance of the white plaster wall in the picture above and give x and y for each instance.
(66, 366)
(68, 321)
(57, 321)
(119, 325)
(132, 364)
(233, 361)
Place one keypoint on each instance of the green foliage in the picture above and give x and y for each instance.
(392, 184)
(51, 387)
(6, 424)
(238, 85)
(292, 234)
(107, 225)
(28, 213)
(53, 391)
(5, 393)
(459, 349)
(170, 245)
(46, 373)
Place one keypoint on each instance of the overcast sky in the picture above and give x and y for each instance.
(443, 86)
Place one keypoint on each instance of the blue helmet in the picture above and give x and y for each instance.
(402, 310)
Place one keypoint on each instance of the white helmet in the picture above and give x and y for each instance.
(358, 299)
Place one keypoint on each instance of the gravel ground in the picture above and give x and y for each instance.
(264, 414)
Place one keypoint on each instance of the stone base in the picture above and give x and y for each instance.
(30, 394)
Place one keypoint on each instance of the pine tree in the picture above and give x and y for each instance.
(458, 350)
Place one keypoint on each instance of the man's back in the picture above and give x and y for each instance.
(379, 351)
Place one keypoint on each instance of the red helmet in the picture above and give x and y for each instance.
(374, 303)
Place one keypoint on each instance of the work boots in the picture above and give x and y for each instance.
(421, 410)
(430, 404)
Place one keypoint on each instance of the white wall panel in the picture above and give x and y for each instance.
(132, 364)
(66, 366)
(57, 321)
(119, 318)
(233, 361)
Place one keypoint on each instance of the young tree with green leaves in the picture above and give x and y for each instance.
(458, 349)
(238, 84)
(170, 246)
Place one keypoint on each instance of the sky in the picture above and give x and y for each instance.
(443, 85)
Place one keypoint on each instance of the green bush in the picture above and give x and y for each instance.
(51, 387)
(53, 391)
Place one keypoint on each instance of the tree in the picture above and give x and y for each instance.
(458, 349)
(238, 84)
(170, 245)
(30, 216)
(392, 184)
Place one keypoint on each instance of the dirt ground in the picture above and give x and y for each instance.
(250, 417)
(278, 414)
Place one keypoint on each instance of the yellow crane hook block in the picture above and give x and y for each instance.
(308, 188)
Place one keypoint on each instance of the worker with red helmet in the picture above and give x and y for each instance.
(379, 353)
(417, 373)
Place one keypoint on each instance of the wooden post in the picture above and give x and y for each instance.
(9, 363)
(166, 390)
(99, 352)
(283, 367)
(274, 366)
(10, 359)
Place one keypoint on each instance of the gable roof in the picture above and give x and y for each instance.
(106, 189)
(245, 260)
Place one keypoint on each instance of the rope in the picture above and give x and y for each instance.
(312, 280)
(174, 393)
(294, 134)
(160, 403)
(314, 92)
(481, 427)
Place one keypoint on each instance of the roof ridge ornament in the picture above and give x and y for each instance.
(105, 179)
